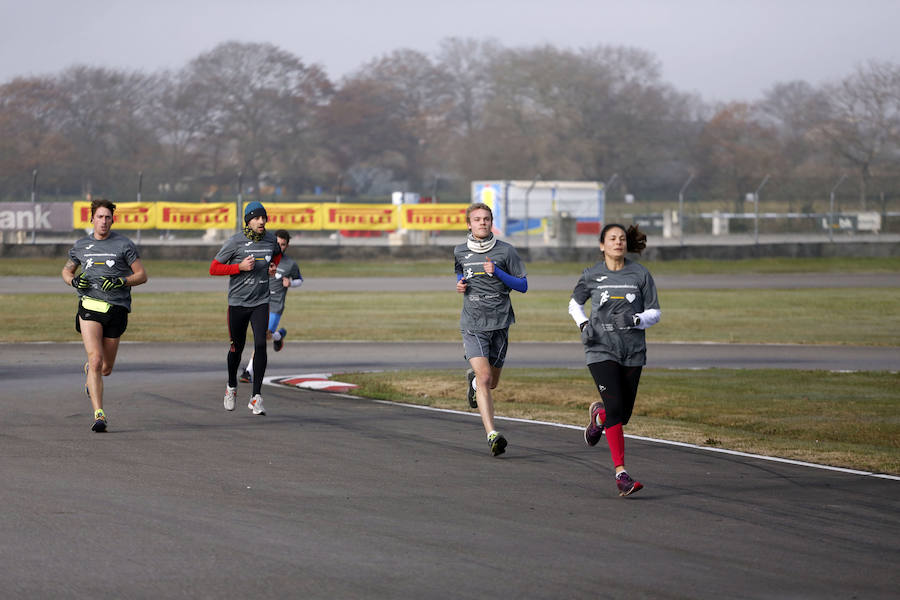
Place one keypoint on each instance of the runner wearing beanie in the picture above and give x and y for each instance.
(248, 258)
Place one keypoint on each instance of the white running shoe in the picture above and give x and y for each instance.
(256, 405)
(230, 393)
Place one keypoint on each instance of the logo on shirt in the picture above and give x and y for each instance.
(600, 279)
(89, 263)
(630, 297)
(110, 263)
(604, 297)
(89, 246)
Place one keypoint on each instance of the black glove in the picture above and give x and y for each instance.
(626, 320)
(112, 283)
(80, 282)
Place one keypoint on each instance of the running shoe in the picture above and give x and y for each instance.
(256, 405)
(497, 443)
(470, 389)
(246, 377)
(99, 425)
(626, 484)
(230, 393)
(279, 343)
(87, 392)
(594, 431)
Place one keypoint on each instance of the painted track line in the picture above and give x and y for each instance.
(788, 461)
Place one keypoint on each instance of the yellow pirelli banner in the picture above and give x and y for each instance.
(195, 215)
(293, 215)
(360, 217)
(128, 215)
(433, 217)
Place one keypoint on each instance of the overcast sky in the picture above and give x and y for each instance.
(722, 49)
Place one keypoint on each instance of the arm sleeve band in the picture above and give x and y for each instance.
(520, 284)
(577, 312)
(217, 268)
(296, 282)
(649, 317)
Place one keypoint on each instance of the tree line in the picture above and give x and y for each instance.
(423, 123)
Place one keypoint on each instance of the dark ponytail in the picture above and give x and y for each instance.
(636, 240)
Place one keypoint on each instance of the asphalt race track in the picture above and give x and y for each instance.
(333, 497)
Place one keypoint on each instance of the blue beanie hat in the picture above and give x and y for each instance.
(253, 210)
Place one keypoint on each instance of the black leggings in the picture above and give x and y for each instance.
(238, 319)
(618, 387)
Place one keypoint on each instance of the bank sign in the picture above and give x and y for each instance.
(37, 216)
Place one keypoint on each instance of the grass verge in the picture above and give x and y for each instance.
(815, 316)
(51, 267)
(842, 419)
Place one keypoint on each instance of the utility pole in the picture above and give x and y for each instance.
(681, 208)
(528, 193)
(240, 201)
(831, 208)
(756, 202)
(33, 197)
(140, 185)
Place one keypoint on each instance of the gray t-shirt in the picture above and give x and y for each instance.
(110, 257)
(277, 292)
(486, 303)
(249, 288)
(630, 290)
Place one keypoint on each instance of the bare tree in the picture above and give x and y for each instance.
(253, 91)
(105, 118)
(399, 105)
(739, 151)
(181, 117)
(29, 120)
(862, 119)
(578, 115)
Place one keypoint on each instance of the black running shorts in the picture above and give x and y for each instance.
(114, 320)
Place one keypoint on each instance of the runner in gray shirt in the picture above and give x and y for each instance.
(248, 258)
(486, 270)
(623, 304)
(287, 275)
(110, 267)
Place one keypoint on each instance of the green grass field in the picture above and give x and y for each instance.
(768, 316)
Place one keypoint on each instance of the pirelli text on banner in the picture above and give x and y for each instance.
(433, 217)
(194, 215)
(294, 216)
(360, 217)
(128, 215)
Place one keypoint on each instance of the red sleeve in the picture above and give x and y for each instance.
(217, 268)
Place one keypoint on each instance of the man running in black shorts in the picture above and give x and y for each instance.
(110, 267)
